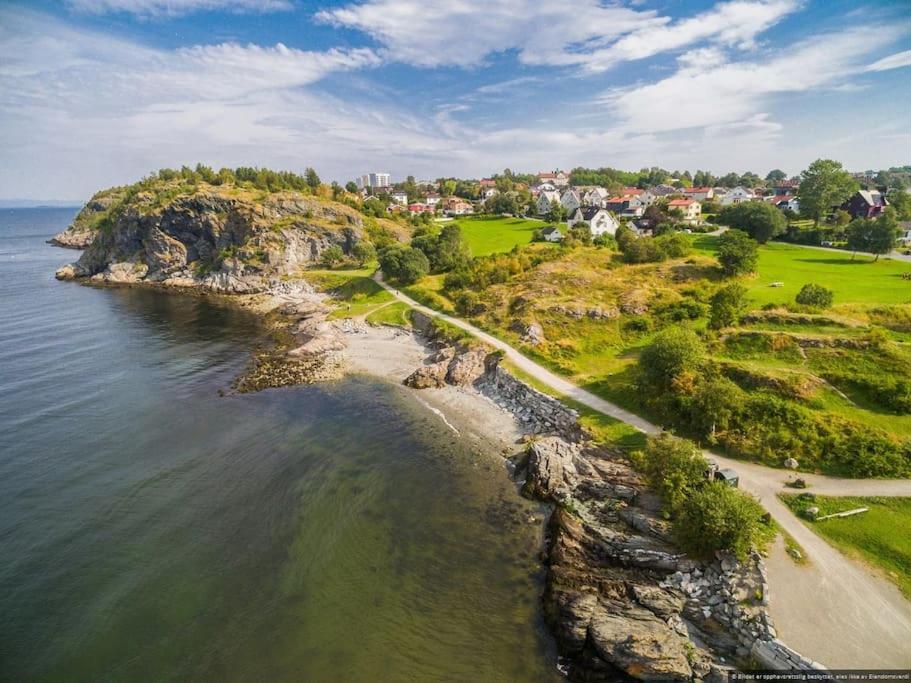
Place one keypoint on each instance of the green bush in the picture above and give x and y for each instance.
(672, 352)
(405, 264)
(332, 255)
(728, 304)
(718, 517)
(760, 220)
(673, 467)
(738, 253)
(363, 252)
(816, 296)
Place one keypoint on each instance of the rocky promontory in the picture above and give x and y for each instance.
(220, 238)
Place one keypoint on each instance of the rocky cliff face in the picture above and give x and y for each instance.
(222, 240)
(85, 226)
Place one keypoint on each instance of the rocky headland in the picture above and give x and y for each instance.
(621, 600)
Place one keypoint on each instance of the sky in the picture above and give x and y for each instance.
(95, 93)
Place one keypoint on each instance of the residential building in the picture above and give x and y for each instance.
(456, 206)
(700, 194)
(595, 196)
(570, 200)
(400, 197)
(432, 199)
(488, 192)
(551, 234)
(690, 207)
(866, 204)
(786, 202)
(374, 180)
(736, 196)
(600, 220)
(557, 178)
(419, 208)
(545, 199)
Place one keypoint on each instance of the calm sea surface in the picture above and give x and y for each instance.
(151, 529)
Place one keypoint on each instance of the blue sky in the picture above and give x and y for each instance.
(99, 92)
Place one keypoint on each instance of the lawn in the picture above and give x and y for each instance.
(398, 314)
(354, 291)
(492, 234)
(858, 280)
(879, 536)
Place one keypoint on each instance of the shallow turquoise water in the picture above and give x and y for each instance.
(151, 529)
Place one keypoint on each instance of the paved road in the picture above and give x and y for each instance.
(833, 610)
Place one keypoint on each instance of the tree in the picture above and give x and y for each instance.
(363, 252)
(332, 255)
(714, 405)
(824, 186)
(673, 351)
(814, 295)
(445, 251)
(901, 202)
(719, 517)
(884, 232)
(405, 264)
(673, 467)
(557, 212)
(858, 234)
(501, 203)
(738, 253)
(760, 220)
(313, 180)
(351, 187)
(727, 305)
(776, 176)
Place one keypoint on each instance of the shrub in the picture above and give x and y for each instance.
(738, 253)
(672, 352)
(727, 305)
(816, 296)
(673, 467)
(674, 244)
(446, 251)
(363, 252)
(405, 264)
(642, 250)
(719, 517)
(759, 220)
(332, 255)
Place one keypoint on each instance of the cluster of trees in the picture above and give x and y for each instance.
(362, 253)
(873, 236)
(428, 252)
(647, 177)
(260, 178)
(824, 185)
(686, 389)
(483, 271)
(760, 220)
(651, 249)
(738, 253)
(707, 516)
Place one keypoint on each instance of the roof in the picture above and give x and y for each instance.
(873, 197)
(550, 230)
(694, 190)
(681, 202)
(589, 212)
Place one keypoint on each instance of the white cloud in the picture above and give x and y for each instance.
(708, 90)
(895, 61)
(159, 8)
(431, 33)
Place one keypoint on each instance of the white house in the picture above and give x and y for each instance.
(545, 199)
(489, 192)
(736, 196)
(635, 207)
(690, 207)
(551, 234)
(400, 197)
(558, 178)
(595, 196)
(700, 194)
(600, 220)
(432, 199)
(571, 201)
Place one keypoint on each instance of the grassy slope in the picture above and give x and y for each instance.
(491, 234)
(858, 280)
(879, 536)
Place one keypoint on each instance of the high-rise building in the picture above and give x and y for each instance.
(374, 180)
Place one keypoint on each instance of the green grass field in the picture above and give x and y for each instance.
(492, 234)
(879, 536)
(858, 280)
(398, 313)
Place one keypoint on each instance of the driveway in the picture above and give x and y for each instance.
(834, 609)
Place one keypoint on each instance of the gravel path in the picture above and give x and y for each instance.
(833, 610)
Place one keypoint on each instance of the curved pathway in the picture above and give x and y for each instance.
(833, 609)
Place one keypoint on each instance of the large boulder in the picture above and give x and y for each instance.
(466, 368)
(550, 471)
(430, 376)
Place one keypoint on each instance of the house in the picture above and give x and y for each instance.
(700, 194)
(545, 199)
(690, 207)
(487, 182)
(786, 202)
(595, 196)
(432, 199)
(456, 206)
(786, 187)
(489, 192)
(557, 178)
(551, 234)
(400, 197)
(599, 220)
(419, 208)
(571, 201)
(736, 196)
(866, 204)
